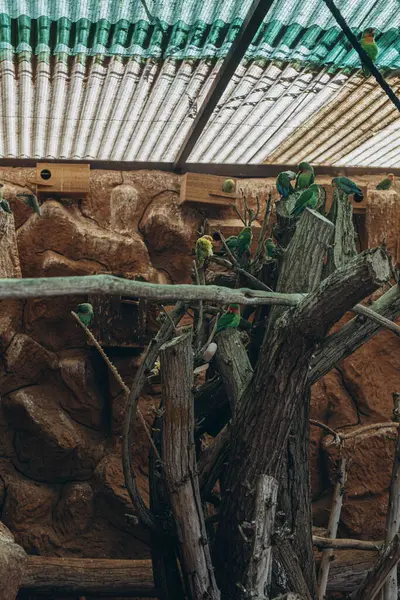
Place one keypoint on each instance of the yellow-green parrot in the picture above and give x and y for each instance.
(244, 241)
(386, 183)
(204, 249)
(305, 176)
(228, 186)
(370, 46)
(85, 313)
(270, 248)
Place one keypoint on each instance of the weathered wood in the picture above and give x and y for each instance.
(9, 257)
(377, 576)
(288, 566)
(301, 271)
(289, 596)
(12, 564)
(338, 346)
(382, 321)
(345, 544)
(103, 577)
(265, 414)
(179, 459)
(260, 531)
(334, 519)
(108, 284)
(344, 247)
(390, 591)
(212, 460)
(164, 334)
(233, 365)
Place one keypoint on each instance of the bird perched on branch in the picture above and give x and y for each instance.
(386, 183)
(270, 248)
(283, 184)
(305, 176)
(85, 313)
(204, 249)
(230, 319)
(370, 46)
(308, 199)
(31, 201)
(240, 243)
(348, 187)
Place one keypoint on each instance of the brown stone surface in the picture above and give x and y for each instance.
(61, 413)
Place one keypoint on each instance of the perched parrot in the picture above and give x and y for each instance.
(305, 176)
(5, 206)
(308, 199)
(204, 249)
(230, 319)
(387, 183)
(244, 241)
(347, 186)
(270, 248)
(31, 201)
(85, 313)
(283, 184)
(228, 186)
(370, 46)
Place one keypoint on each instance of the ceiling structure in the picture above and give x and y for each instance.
(106, 80)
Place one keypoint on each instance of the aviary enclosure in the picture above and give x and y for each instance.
(166, 308)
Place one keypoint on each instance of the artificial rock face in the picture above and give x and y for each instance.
(62, 490)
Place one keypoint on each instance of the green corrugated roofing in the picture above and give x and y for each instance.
(295, 30)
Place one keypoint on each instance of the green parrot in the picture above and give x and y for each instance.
(305, 176)
(5, 206)
(270, 248)
(308, 199)
(204, 249)
(348, 187)
(229, 320)
(244, 241)
(85, 313)
(228, 186)
(370, 46)
(31, 201)
(283, 184)
(387, 183)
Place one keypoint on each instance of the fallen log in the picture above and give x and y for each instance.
(103, 577)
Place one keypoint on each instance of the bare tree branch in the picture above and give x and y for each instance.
(376, 578)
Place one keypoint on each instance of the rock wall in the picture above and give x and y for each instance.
(61, 483)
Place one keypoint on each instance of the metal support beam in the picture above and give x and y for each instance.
(365, 59)
(248, 30)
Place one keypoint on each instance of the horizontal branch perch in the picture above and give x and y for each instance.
(108, 284)
(46, 574)
(323, 543)
(370, 314)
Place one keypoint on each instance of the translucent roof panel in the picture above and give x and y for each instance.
(123, 80)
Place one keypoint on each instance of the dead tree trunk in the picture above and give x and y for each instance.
(265, 414)
(376, 578)
(301, 271)
(233, 365)
(9, 257)
(179, 458)
(344, 247)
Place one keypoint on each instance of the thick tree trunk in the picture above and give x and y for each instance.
(9, 257)
(233, 365)
(344, 246)
(301, 271)
(212, 461)
(265, 414)
(179, 459)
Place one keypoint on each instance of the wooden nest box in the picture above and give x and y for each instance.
(206, 190)
(62, 180)
(121, 322)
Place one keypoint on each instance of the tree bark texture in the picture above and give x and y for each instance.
(265, 414)
(288, 573)
(233, 365)
(345, 544)
(13, 562)
(339, 345)
(344, 246)
(377, 576)
(9, 257)
(259, 532)
(49, 575)
(179, 459)
(212, 461)
(301, 271)
(390, 591)
(334, 519)
(289, 596)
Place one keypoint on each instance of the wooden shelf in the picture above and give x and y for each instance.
(206, 190)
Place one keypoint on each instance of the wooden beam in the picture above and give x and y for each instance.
(103, 577)
(249, 28)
